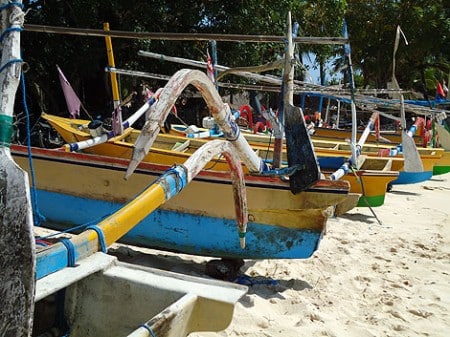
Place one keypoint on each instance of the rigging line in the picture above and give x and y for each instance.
(38, 217)
(365, 198)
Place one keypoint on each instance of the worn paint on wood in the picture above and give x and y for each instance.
(16, 239)
(200, 220)
(219, 110)
(300, 151)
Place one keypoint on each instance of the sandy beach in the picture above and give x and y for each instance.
(385, 273)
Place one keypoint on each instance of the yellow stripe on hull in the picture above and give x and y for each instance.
(122, 146)
(329, 147)
(208, 197)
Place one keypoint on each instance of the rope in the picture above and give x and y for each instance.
(37, 216)
(364, 196)
(249, 281)
(70, 252)
(101, 237)
(17, 18)
(73, 229)
(11, 4)
(149, 329)
(180, 181)
(69, 230)
(8, 30)
(43, 243)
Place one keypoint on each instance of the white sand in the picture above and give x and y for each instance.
(366, 279)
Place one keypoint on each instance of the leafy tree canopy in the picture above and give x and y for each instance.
(371, 24)
(426, 25)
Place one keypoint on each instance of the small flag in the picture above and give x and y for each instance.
(377, 127)
(72, 100)
(440, 94)
(209, 67)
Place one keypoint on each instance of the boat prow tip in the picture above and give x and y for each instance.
(131, 168)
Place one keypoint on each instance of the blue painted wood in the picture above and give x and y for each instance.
(403, 177)
(331, 162)
(182, 232)
(412, 177)
(51, 260)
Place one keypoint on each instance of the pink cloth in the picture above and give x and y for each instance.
(72, 100)
(209, 67)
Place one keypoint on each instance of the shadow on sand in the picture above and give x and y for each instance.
(262, 286)
(404, 193)
(366, 218)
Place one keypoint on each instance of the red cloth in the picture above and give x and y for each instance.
(440, 90)
(209, 67)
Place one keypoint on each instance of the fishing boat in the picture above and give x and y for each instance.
(203, 215)
(89, 293)
(372, 180)
(168, 150)
(332, 153)
(428, 157)
(441, 127)
(375, 173)
(102, 296)
(384, 138)
(432, 159)
(283, 224)
(387, 137)
(443, 134)
(288, 208)
(76, 282)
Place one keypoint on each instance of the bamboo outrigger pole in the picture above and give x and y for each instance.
(179, 36)
(111, 63)
(218, 67)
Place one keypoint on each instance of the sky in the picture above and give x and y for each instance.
(313, 75)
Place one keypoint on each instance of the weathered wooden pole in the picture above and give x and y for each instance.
(300, 150)
(17, 257)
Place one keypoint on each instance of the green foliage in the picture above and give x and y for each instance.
(372, 27)
(371, 24)
(323, 18)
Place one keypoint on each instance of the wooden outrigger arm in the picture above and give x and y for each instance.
(219, 110)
